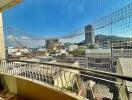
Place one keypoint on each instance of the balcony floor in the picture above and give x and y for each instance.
(6, 95)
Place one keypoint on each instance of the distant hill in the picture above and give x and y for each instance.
(105, 38)
(112, 38)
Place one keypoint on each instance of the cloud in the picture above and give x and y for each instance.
(11, 37)
(23, 40)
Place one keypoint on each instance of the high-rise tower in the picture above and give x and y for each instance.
(89, 35)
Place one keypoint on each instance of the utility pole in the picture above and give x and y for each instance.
(4, 5)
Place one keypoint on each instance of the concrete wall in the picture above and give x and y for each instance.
(39, 92)
(122, 89)
(34, 91)
(130, 96)
(2, 44)
(10, 83)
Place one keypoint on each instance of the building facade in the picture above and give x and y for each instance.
(122, 50)
(89, 35)
(99, 59)
(72, 47)
(124, 67)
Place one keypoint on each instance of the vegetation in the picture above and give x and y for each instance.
(78, 52)
(63, 55)
(90, 46)
(105, 38)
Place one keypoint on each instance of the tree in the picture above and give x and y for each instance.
(78, 52)
(63, 55)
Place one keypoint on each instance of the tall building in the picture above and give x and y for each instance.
(89, 35)
(53, 45)
(51, 41)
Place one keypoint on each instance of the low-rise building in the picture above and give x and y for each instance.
(13, 50)
(99, 59)
(122, 49)
(124, 67)
(81, 60)
(72, 47)
(101, 92)
(24, 50)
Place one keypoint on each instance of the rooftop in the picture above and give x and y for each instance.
(98, 51)
(126, 66)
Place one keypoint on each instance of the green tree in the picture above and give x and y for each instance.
(78, 52)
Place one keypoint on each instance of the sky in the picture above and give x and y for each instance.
(51, 18)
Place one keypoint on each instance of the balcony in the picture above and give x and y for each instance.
(48, 81)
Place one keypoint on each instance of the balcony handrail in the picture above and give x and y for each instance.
(114, 75)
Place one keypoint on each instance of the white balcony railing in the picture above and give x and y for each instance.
(90, 84)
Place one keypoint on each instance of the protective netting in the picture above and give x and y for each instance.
(107, 38)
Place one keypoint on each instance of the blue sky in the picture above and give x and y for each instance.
(56, 17)
(50, 18)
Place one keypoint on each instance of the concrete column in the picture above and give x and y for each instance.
(2, 42)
